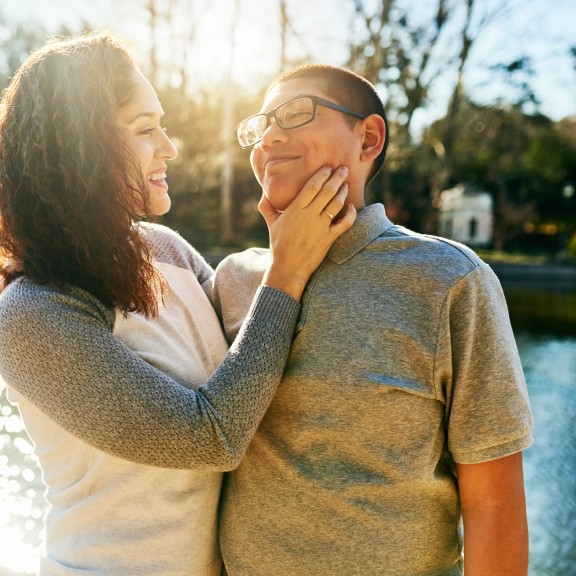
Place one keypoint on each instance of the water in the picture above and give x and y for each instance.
(549, 361)
(22, 503)
(550, 463)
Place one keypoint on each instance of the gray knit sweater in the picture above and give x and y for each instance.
(58, 350)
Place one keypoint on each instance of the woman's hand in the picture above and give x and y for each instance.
(301, 236)
(10, 267)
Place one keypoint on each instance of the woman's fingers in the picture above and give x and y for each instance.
(12, 265)
(335, 204)
(331, 192)
(269, 213)
(345, 222)
(320, 188)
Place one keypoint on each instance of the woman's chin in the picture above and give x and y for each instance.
(160, 207)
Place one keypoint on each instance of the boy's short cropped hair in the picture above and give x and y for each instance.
(347, 89)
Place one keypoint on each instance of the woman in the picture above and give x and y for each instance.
(108, 341)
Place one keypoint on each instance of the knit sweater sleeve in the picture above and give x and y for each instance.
(57, 349)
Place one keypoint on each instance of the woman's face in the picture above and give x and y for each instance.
(140, 121)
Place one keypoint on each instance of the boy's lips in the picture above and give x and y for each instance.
(272, 161)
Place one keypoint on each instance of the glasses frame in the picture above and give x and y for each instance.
(316, 101)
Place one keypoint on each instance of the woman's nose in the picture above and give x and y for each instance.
(167, 148)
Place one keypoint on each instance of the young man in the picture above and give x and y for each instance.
(403, 408)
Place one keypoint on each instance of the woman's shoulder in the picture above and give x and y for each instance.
(169, 247)
(158, 235)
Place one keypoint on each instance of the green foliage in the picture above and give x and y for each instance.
(524, 161)
(571, 249)
(195, 177)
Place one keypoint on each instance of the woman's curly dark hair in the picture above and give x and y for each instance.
(71, 193)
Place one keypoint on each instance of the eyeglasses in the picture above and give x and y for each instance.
(290, 114)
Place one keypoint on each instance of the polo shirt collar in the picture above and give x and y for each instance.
(370, 223)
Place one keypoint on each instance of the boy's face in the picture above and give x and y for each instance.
(285, 159)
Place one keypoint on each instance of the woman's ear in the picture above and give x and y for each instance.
(374, 137)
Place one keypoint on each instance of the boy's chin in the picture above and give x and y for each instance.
(281, 197)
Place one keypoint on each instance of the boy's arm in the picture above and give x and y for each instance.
(494, 514)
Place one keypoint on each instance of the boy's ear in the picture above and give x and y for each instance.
(374, 136)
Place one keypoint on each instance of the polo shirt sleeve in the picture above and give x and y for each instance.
(236, 281)
(478, 368)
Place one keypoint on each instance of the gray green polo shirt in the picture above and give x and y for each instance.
(403, 363)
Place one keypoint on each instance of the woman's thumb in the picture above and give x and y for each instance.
(268, 211)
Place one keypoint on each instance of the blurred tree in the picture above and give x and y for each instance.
(284, 23)
(404, 54)
(516, 74)
(523, 160)
(290, 35)
(151, 9)
(16, 42)
(195, 177)
(18, 39)
(173, 27)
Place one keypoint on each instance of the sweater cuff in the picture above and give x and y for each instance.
(274, 305)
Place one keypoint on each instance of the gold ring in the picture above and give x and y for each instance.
(329, 214)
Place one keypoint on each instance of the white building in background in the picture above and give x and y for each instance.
(466, 215)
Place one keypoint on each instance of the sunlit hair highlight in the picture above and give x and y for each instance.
(71, 193)
(346, 88)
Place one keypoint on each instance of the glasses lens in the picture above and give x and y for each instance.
(251, 130)
(295, 113)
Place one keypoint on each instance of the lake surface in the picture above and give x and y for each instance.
(548, 352)
(550, 463)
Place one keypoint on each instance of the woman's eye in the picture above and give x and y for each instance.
(148, 131)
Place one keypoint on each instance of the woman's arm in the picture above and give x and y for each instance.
(59, 352)
(57, 349)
